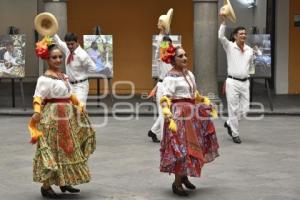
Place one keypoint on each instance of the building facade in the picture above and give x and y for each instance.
(133, 22)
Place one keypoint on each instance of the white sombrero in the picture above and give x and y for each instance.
(46, 24)
(166, 19)
(228, 11)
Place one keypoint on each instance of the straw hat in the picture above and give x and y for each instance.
(228, 11)
(166, 20)
(46, 24)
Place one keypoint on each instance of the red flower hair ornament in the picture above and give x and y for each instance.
(41, 48)
(167, 51)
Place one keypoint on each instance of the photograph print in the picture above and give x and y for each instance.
(100, 49)
(261, 44)
(12, 56)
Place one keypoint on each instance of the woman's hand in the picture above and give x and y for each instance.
(82, 107)
(36, 117)
(167, 112)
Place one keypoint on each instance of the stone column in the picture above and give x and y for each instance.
(59, 9)
(205, 46)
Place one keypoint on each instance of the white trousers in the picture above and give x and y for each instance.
(237, 94)
(81, 91)
(157, 127)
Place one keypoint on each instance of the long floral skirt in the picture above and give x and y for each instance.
(194, 144)
(63, 149)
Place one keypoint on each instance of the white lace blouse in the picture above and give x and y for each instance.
(50, 87)
(177, 86)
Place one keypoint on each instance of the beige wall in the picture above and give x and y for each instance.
(20, 13)
(132, 24)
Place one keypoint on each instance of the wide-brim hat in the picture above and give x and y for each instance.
(46, 23)
(228, 11)
(167, 19)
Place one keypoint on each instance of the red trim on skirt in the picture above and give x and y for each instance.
(64, 136)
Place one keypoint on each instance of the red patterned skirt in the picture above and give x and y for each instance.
(195, 142)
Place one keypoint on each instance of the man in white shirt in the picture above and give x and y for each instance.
(239, 57)
(163, 69)
(78, 64)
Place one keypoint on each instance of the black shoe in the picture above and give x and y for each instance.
(69, 189)
(229, 131)
(187, 183)
(179, 190)
(237, 140)
(49, 193)
(153, 136)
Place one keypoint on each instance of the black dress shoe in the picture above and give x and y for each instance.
(237, 140)
(153, 136)
(48, 193)
(229, 131)
(179, 190)
(187, 183)
(69, 189)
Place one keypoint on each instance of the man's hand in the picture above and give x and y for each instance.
(222, 18)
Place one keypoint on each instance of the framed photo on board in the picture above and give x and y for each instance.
(12, 56)
(100, 49)
(261, 43)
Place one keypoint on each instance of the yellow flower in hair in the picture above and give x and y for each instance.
(48, 40)
(164, 44)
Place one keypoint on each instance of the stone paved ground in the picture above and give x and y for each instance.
(125, 165)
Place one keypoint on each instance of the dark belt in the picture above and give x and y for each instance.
(238, 79)
(79, 81)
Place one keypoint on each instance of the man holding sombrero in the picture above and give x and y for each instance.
(164, 23)
(78, 63)
(239, 57)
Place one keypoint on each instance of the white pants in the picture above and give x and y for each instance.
(237, 93)
(81, 91)
(157, 127)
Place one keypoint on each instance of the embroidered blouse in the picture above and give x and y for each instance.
(48, 87)
(179, 86)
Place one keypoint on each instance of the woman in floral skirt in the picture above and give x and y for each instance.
(60, 127)
(189, 137)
